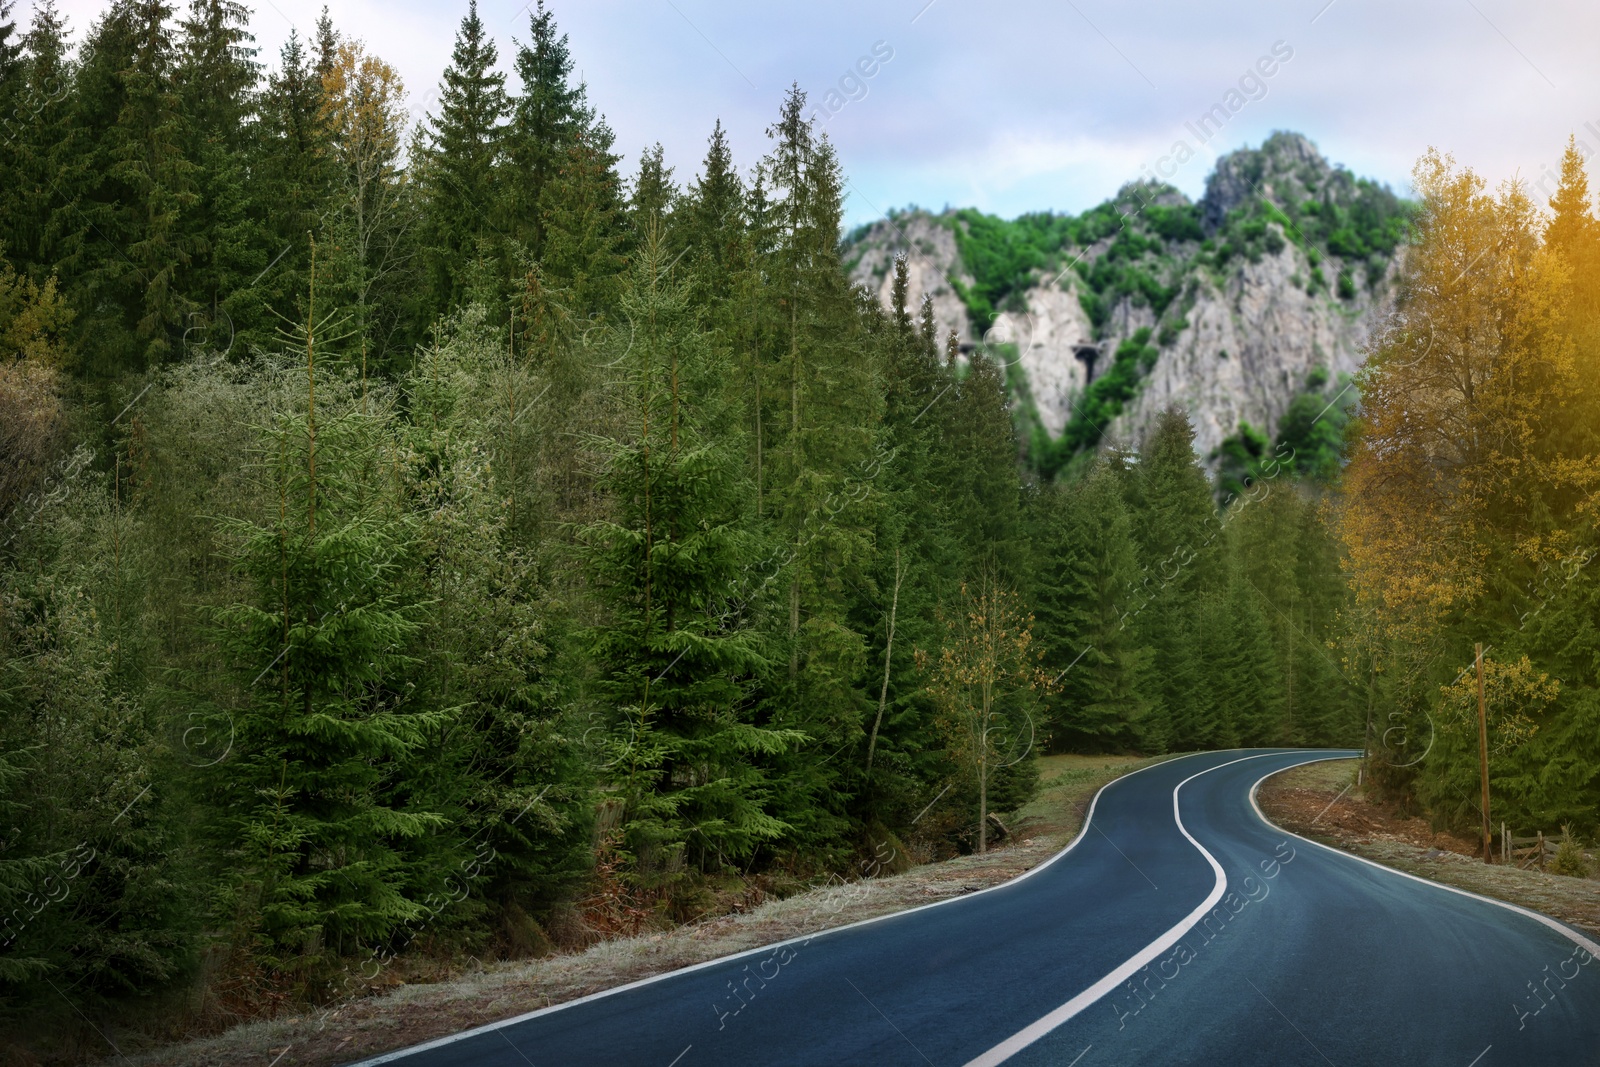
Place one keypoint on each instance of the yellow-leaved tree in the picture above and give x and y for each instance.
(985, 681)
(1472, 470)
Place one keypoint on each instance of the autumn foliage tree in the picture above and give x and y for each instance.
(1474, 473)
(986, 678)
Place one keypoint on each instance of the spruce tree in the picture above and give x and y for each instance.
(582, 228)
(1177, 531)
(677, 671)
(463, 161)
(328, 724)
(44, 152)
(127, 246)
(216, 77)
(651, 198)
(982, 448)
(1084, 580)
(825, 454)
(291, 189)
(548, 118)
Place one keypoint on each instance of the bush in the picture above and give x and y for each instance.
(1570, 859)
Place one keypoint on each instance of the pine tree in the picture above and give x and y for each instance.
(216, 77)
(1085, 579)
(328, 727)
(548, 119)
(127, 246)
(677, 671)
(463, 161)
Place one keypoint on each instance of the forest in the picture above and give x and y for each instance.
(420, 539)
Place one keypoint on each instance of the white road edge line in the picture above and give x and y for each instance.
(450, 1039)
(1545, 920)
(1028, 1035)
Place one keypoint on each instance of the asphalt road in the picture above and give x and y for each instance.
(1180, 928)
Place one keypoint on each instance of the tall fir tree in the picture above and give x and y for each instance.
(676, 670)
(327, 855)
(291, 189)
(43, 152)
(127, 246)
(548, 118)
(1178, 535)
(1085, 571)
(463, 164)
(216, 77)
(826, 454)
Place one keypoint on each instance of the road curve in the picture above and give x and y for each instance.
(1178, 928)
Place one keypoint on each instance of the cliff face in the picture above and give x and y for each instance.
(1264, 290)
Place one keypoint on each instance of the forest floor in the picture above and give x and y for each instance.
(411, 1013)
(1320, 801)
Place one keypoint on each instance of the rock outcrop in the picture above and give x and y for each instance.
(1265, 292)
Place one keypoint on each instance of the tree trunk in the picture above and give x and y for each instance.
(888, 651)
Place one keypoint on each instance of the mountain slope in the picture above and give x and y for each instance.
(1233, 307)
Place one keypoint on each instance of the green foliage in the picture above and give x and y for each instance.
(1106, 395)
(589, 561)
(678, 673)
(1569, 859)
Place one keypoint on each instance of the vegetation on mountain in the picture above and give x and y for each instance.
(426, 540)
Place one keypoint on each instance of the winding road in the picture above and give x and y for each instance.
(1179, 928)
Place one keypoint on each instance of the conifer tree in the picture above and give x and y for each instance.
(44, 151)
(216, 77)
(327, 45)
(127, 246)
(675, 669)
(291, 190)
(653, 194)
(825, 456)
(583, 226)
(328, 725)
(548, 119)
(463, 158)
(1177, 532)
(1085, 581)
(982, 482)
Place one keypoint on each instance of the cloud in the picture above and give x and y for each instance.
(1034, 104)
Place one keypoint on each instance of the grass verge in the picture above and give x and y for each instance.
(411, 1014)
(1322, 802)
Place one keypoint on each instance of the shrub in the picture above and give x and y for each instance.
(1570, 859)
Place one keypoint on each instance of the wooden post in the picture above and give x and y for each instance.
(1483, 758)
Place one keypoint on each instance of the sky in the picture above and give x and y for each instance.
(1013, 106)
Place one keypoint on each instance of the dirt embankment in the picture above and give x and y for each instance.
(1322, 802)
(409, 1014)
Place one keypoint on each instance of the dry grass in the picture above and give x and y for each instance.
(413, 1013)
(1299, 800)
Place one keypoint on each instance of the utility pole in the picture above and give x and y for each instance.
(1483, 758)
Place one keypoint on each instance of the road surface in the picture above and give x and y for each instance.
(1179, 928)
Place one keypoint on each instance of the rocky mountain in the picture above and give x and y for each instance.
(1248, 308)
